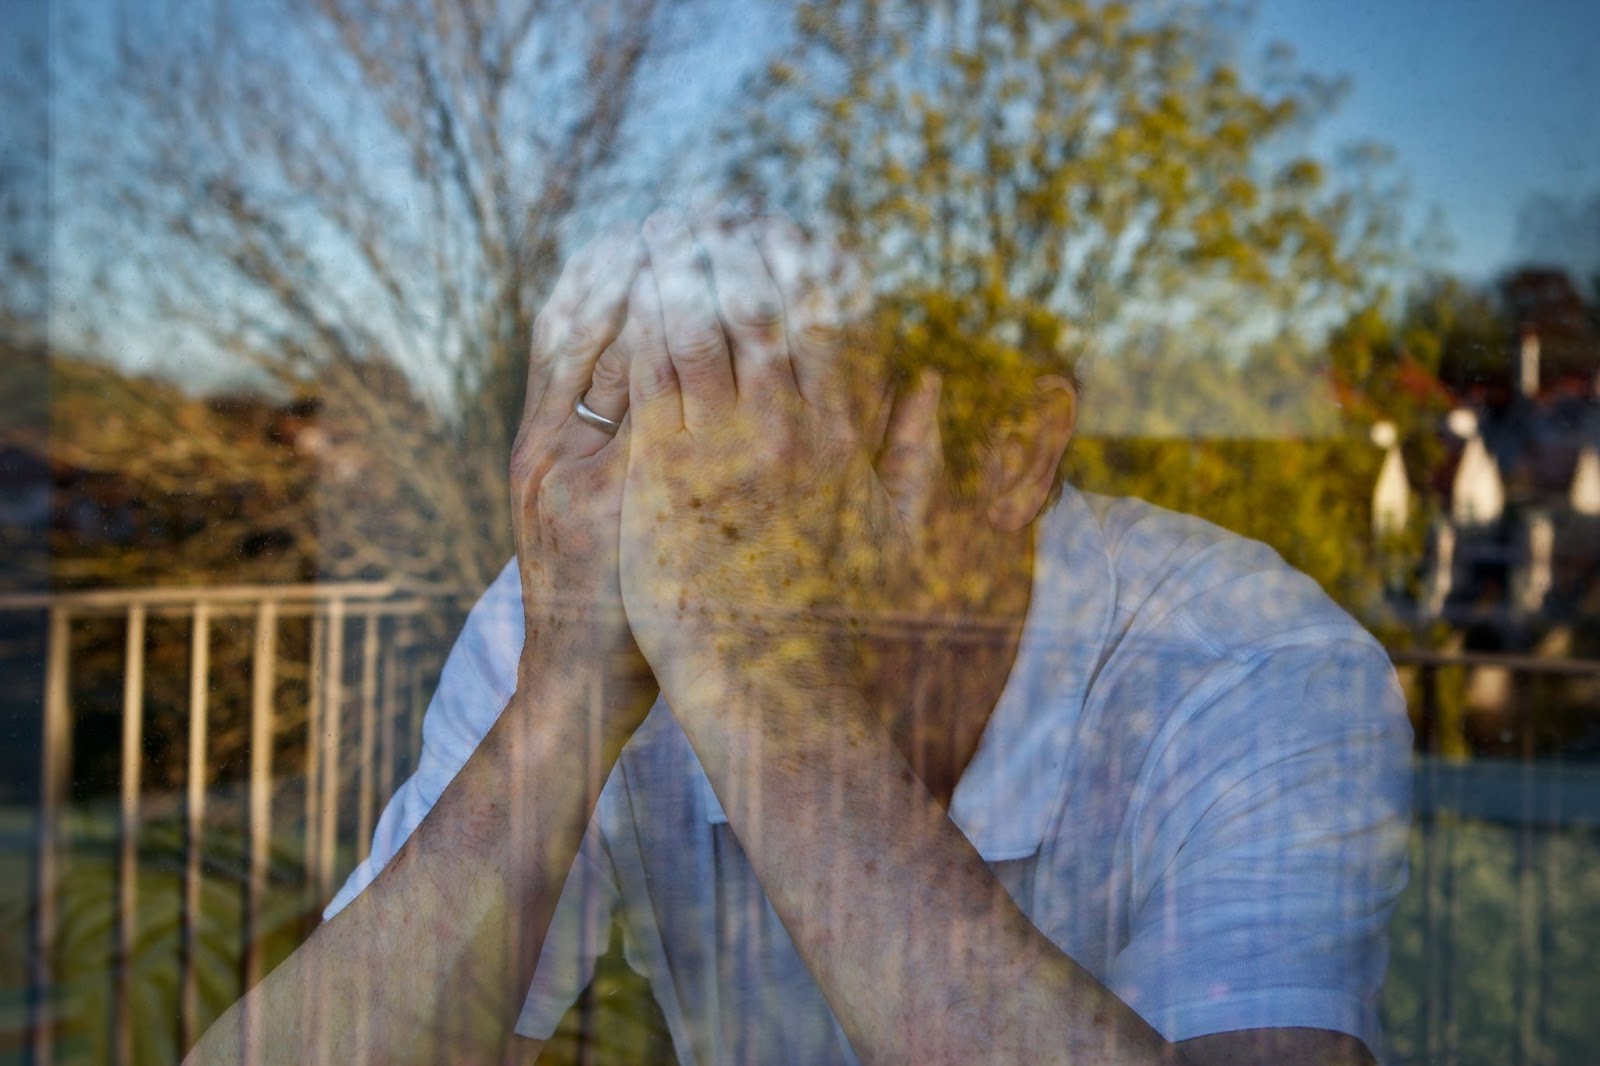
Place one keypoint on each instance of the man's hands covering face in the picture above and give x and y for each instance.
(757, 535)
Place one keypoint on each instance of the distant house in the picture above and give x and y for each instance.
(1521, 546)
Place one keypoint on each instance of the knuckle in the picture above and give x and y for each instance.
(556, 495)
(536, 455)
(527, 460)
(655, 378)
(580, 339)
(549, 325)
(819, 315)
(700, 342)
(610, 372)
(543, 337)
(754, 312)
(821, 332)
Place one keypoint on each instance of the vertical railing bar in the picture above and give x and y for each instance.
(1529, 962)
(1432, 1021)
(389, 710)
(55, 763)
(1450, 1028)
(1522, 971)
(199, 670)
(263, 728)
(411, 736)
(333, 723)
(383, 742)
(369, 730)
(316, 671)
(1549, 877)
(128, 844)
(364, 789)
(1432, 1006)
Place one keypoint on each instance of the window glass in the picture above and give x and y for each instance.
(1120, 479)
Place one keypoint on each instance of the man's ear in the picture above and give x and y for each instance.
(1027, 452)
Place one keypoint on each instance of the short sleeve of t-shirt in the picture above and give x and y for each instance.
(477, 682)
(1269, 845)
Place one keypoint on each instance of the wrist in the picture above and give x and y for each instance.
(611, 688)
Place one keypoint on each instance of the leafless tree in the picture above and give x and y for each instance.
(365, 199)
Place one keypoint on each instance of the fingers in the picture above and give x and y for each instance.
(813, 315)
(691, 329)
(911, 462)
(607, 397)
(582, 317)
(655, 399)
(750, 305)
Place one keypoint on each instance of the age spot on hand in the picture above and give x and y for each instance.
(730, 531)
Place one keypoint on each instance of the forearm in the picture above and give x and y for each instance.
(917, 948)
(431, 962)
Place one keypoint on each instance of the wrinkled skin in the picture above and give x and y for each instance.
(756, 528)
(566, 484)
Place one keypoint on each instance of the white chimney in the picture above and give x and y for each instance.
(1528, 364)
(1477, 495)
(1391, 496)
(1585, 492)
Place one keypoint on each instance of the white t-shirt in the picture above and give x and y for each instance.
(1196, 783)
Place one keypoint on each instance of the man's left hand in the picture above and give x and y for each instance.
(756, 533)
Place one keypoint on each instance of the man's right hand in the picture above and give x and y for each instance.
(566, 489)
(432, 961)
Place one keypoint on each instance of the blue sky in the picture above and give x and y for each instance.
(1486, 102)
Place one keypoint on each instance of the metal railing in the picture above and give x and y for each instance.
(1487, 834)
(1435, 724)
(361, 720)
(378, 615)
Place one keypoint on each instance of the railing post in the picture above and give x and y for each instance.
(1428, 686)
(333, 726)
(412, 735)
(128, 843)
(365, 798)
(55, 769)
(316, 669)
(389, 701)
(195, 809)
(263, 729)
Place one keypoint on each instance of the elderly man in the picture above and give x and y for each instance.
(939, 772)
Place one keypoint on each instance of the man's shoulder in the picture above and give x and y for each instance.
(1234, 594)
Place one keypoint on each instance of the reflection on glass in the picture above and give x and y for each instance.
(1084, 516)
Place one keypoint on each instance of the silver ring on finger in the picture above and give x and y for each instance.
(594, 418)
